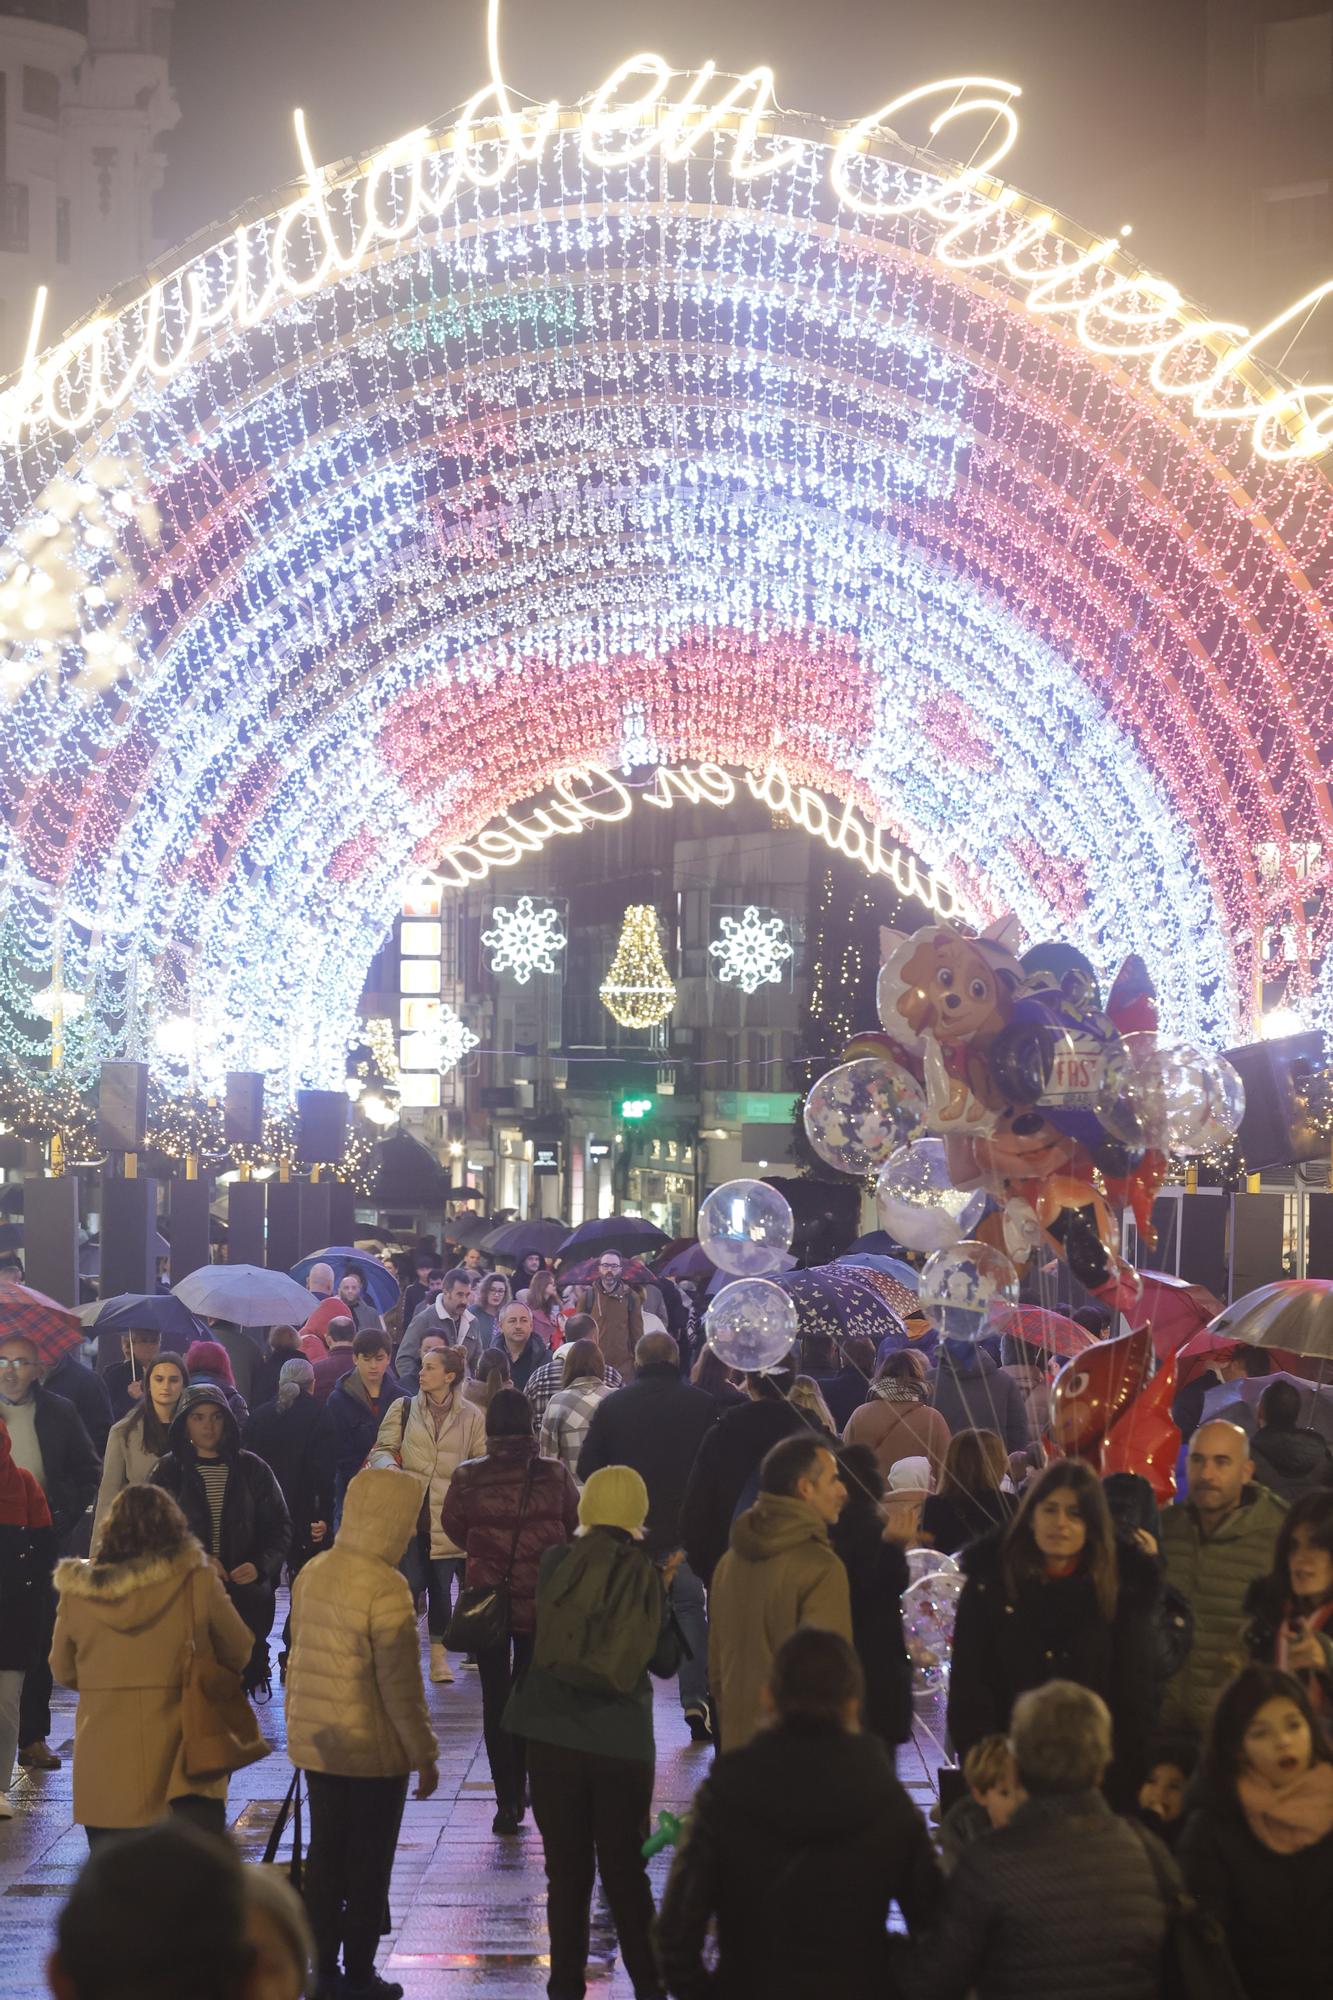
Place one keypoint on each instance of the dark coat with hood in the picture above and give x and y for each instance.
(797, 1844)
(298, 1446)
(72, 1470)
(482, 1509)
(1053, 1629)
(1062, 1902)
(1291, 1462)
(877, 1575)
(972, 1393)
(88, 1393)
(726, 1461)
(256, 1527)
(1276, 1909)
(655, 1424)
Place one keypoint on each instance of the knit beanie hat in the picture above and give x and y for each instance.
(615, 1497)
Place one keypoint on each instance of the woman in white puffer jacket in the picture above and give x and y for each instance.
(430, 1436)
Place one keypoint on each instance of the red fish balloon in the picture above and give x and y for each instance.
(1090, 1392)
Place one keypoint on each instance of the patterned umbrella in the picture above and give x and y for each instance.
(53, 1330)
(1295, 1313)
(838, 1301)
(1051, 1332)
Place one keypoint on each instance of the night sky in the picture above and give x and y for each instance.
(1110, 111)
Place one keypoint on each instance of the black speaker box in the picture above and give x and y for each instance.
(1284, 1085)
(122, 1107)
(322, 1125)
(243, 1108)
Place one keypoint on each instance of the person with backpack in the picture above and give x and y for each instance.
(585, 1710)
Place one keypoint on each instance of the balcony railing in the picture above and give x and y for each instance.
(13, 215)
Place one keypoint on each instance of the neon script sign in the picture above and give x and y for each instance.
(591, 794)
(982, 227)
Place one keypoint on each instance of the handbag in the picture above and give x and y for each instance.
(219, 1733)
(290, 1809)
(1196, 1959)
(481, 1614)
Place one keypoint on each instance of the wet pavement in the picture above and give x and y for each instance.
(468, 1908)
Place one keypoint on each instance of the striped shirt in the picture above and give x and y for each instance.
(214, 1475)
(567, 1417)
(545, 1381)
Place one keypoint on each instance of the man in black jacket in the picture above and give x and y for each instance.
(234, 1507)
(88, 1393)
(47, 1436)
(727, 1463)
(656, 1425)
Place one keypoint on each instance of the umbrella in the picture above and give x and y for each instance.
(245, 1295)
(1050, 1331)
(1295, 1313)
(1173, 1309)
(467, 1231)
(11, 1235)
(1316, 1411)
(463, 1192)
(899, 1298)
(143, 1312)
(11, 1199)
(517, 1240)
(892, 1267)
(832, 1299)
(876, 1243)
(685, 1259)
(53, 1329)
(380, 1286)
(631, 1235)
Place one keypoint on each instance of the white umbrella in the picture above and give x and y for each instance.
(1294, 1313)
(245, 1295)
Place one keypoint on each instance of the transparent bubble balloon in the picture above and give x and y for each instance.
(1169, 1096)
(861, 1112)
(745, 1227)
(929, 1562)
(930, 1607)
(918, 1203)
(751, 1324)
(961, 1286)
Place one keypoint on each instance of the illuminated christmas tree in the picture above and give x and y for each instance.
(638, 991)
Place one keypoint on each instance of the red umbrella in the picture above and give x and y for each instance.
(1050, 1331)
(1172, 1308)
(52, 1329)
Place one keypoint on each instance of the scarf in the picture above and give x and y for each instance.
(16, 1503)
(1287, 1818)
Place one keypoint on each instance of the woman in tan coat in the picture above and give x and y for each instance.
(136, 1443)
(430, 1436)
(121, 1630)
(896, 1420)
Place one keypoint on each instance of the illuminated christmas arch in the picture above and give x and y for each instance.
(631, 459)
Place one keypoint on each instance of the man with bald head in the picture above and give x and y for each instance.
(1215, 1542)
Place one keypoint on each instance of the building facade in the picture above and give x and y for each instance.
(85, 98)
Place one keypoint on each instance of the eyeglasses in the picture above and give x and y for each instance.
(13, 1367)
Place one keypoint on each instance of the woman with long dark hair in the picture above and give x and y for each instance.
(543, 1302)
(492, 1296)
(504, 1511)
(1257, 1847)
(122, 1626)
(1055, 1595)
(135, 1444)
(969, 1502)
(1291, 1609)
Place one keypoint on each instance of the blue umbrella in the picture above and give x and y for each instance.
(875, 1243)
(381, 1287)
(892, 1267)
(143, 1312)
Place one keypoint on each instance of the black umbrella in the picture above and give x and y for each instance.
(11, 1235)
(631, 1235)
(468, 1231)
(406, 1174)
(11, 1199)
(463, 1192)
(517, 1240)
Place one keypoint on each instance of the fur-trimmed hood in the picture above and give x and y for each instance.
(1140, 1576)
(130, 1595)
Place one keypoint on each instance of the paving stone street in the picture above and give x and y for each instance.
(468, 1908)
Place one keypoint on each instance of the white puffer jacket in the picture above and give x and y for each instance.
(356, 1707)
(408, 1433)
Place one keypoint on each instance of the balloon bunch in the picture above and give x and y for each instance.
(1011, 1106)
(1105, 1409)
(930, 1607)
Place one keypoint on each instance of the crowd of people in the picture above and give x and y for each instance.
(572, 1495)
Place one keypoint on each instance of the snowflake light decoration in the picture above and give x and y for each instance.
(456, 1039)
(752, 952)
(524, 940)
